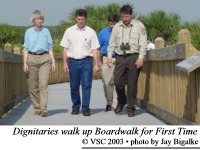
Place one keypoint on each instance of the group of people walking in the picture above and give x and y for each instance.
(118, 50)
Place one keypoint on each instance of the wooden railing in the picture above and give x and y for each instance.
(13, 87)
(167, 92)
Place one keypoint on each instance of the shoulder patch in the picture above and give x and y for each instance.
(143, 31)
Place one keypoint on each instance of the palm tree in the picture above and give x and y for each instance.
(160, 22)
(97, 16)
(194, 28)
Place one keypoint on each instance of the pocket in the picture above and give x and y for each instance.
(134, 39)
(30, 60)
(87, 44)
(119, 39)
(48, 57)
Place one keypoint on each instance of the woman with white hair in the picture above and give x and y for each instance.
(38, 62)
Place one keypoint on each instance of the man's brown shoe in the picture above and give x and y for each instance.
(131, 113)
(119, 108)
(86, 113)
(75, 112)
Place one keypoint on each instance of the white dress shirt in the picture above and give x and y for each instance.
(79, 42)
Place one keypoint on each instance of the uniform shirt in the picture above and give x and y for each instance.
(134, 34)
(79, 42)
(38, 40)
(103, 37)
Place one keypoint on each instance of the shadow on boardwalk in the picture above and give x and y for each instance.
(59, 107)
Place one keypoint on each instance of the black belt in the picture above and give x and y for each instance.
(80, 59)
(129, 54)
(35, 53)
(105, 55)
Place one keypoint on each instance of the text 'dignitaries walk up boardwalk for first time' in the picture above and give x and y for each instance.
(102, 137)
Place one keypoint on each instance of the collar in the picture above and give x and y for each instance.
(131, 24)
(83, 29)
(38, 29)
(109, 29)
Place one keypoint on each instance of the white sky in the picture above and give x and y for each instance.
(17, 12)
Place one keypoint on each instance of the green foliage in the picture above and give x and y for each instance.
(57, 48)
(194, 28)
(157, 21)
(12, 33)
(97, 16)
(21, 31)
(160, 22)
(55, 33)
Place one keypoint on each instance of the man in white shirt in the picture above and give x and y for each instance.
(80, 45)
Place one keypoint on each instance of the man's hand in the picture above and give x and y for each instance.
(96, 68)
(109, 62)
(65, 67)
(139, 63)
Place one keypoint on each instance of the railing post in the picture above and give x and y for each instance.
(159, 42)
(8, 47)
(184, 36)
(16, 50)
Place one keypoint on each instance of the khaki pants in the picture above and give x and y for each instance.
(38, 76)
(108, 83)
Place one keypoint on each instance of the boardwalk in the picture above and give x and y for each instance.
(59, 107)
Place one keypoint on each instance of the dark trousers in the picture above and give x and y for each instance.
(126, 73)
(80, 72)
